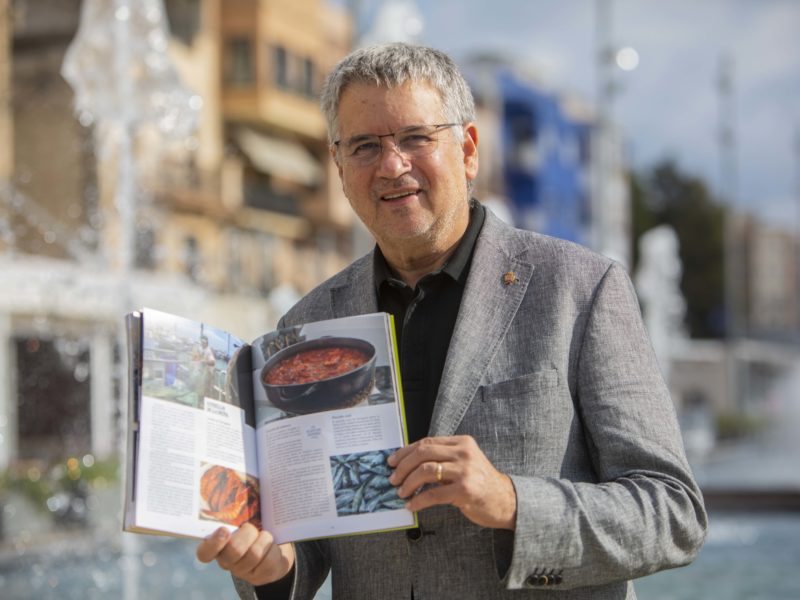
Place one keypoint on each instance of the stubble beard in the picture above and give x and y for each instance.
(429, 231)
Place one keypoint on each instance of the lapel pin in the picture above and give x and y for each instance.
(510, 277)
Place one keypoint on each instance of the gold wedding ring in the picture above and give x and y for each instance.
(439, 472)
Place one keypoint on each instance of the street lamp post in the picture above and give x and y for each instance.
(735, 290)
(610, 212)
(797, 232)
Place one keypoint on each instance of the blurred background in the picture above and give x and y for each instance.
(171, 154)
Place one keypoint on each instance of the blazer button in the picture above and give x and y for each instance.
(555, 579)
(533, 580)
(414, 534)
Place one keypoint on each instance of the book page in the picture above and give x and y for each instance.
(196, 464)
(329, 414)
(326, 474)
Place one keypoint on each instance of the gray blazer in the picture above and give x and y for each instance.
(555, 378)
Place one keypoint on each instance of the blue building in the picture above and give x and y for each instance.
(545, 155)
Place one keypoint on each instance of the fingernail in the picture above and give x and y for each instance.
(221, 533)
(391, 460)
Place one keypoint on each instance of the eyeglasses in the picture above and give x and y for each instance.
(410, 142)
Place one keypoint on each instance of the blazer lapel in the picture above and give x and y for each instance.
(357, 295)
(487, 308)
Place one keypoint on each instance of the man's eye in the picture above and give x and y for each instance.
(361, 148)
(415, 140)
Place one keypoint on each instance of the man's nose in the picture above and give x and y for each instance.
(392, 162)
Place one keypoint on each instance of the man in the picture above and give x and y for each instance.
(542, 430)
(208, 364)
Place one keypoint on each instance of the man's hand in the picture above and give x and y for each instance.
(461, 475)
(247, 553)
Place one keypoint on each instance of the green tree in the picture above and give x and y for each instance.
(664, 195)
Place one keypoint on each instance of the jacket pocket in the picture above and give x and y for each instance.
(510, 419)
(524, 385)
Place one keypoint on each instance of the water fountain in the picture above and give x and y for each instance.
(124, 81)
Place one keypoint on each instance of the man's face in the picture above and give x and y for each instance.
(405, 202)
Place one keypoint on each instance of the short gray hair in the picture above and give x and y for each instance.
(392, 65)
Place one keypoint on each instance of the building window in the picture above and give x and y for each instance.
(54, 396)
(261, 192)
(238, 65)
(309, 89)
(249, 262)
(281, 60)
(523, 154)
(184, 19)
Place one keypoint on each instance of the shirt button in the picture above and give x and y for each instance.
(414, 534)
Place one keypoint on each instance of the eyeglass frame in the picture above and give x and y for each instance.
(367, 136)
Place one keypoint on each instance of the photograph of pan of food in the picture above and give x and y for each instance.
(326, 373)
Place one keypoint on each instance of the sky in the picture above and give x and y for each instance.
(668, 107)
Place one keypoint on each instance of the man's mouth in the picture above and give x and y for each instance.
(400, 195)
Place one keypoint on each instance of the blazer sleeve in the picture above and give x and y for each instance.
(645, 512)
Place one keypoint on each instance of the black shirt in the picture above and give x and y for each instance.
(424, 321)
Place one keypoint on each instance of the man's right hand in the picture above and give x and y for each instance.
(248, 554)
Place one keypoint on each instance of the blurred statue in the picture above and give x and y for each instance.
(658, 279)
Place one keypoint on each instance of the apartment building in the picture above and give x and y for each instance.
(227, 224)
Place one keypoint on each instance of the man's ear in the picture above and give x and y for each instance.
(470, 147)
(332, 150)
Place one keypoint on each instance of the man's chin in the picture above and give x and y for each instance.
(407, 233)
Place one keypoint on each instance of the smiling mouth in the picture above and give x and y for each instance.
(400, 195)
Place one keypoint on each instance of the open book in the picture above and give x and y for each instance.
(290, 433)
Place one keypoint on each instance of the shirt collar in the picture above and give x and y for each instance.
(456, 265)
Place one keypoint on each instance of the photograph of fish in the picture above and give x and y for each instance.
(361, 483)
(229, 496)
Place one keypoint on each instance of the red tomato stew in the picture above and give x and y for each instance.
(315, 365)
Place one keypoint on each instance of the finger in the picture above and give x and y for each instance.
(431, 452)
(212, 545)
(432, 496)
(238, 544)
(254, 554)
(432, 472)
(274, 565)
(405, 451)
(399, 455)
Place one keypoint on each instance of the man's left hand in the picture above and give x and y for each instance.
(458, 473)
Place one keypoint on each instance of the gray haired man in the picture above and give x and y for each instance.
(537, 414)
